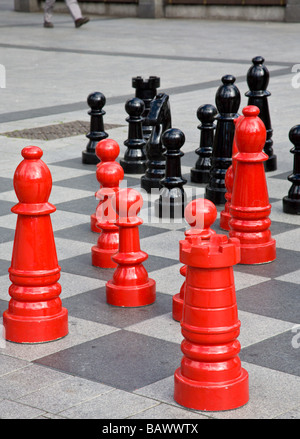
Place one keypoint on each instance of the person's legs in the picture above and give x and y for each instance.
(48, 10)
(74, 9)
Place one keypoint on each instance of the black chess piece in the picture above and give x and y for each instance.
(159, 118)
(146, 89)
(258, 79)
(96, 102)
(172, 198)
(206, 115)
(227, 101)
(291, 203)
(134, 161)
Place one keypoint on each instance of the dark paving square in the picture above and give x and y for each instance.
(6, 234)
(6, 184)
(81, 233)
(82, 266)
(82, 205)
(145, 231)
(86, 182)
(92, 306)
(123, 359)
(74, 163)
(4, 266)
(5, 207)
(282, 176)
(3, 307)
(278, 227)
(286, 261)
(280, 352)
(273, 298)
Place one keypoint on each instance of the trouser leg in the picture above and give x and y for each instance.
(48, 10)
(74, 9)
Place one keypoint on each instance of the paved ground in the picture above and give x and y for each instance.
(49, 74)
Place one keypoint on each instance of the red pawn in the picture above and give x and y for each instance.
(225, 216)
(210, 376)
(250, 207)
(107, 150)
(200, 214)
(130, 285)
(35, 312)
(109, 175)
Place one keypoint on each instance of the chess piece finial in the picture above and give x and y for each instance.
(172, 198)
(35, 312)
(96, 102)
(107, 150)
(134, 161)
(258, 79)
(291, 202)
(206, 115)
(227, 100)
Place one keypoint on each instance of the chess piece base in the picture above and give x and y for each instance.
(22, 329)
(103, 257)
(170, 208)
(131, 296)
(225, 217)
(150, 183)
(198, 176)
(215, 195)
(94, 227)
(271, 164)
(177, 306)
(138, 167)
(89, 158)
(291, 206)
(217, 396)
(258, 253)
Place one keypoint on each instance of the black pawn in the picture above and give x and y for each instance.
(96, 102)
(227, 101)
(159, 118)
(172, 198)
(146, 89)
(258, 79)
(206, 115)
(291, 203)
(134, 161)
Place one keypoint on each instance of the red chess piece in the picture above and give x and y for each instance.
(210, 376)
(107, 150)
(250, 207)
(35, 312)
(130, 285)
(200, 214)
(225, 216)
(109, 175)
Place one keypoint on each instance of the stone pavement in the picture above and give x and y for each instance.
(50, 72)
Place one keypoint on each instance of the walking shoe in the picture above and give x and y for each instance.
(80, 21)
(48, 24)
